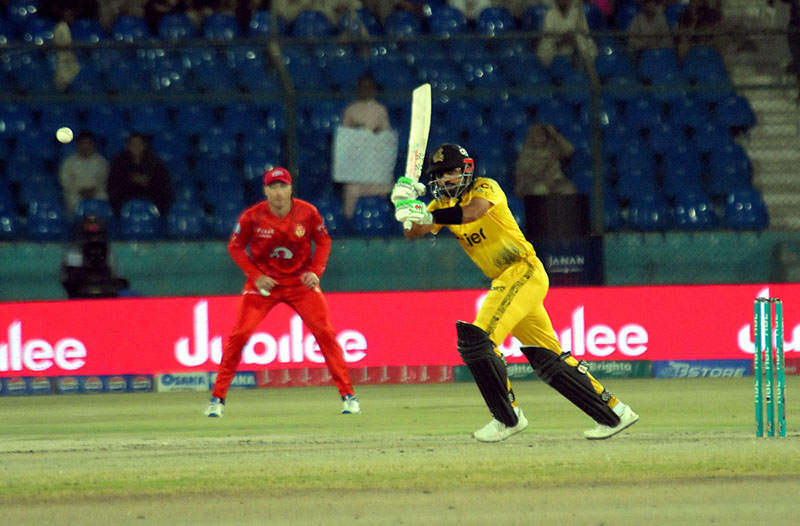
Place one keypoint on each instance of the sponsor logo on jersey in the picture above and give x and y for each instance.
(281, 253)
(299, 230)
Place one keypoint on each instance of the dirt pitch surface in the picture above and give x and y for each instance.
(285, 456)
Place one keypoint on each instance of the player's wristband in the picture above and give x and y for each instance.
(448, 216)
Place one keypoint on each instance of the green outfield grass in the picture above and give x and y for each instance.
(285, 456)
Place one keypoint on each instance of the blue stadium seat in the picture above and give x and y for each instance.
(193, 118)
(186, 220)
(55, 116)
(517, 207)
(625, 13)
(694, 211)
(689, 113)
(730, 170)
(212, 77)
(127, 77)
(150, 119)
(9, 32)
(175, 27)
(216, 140)
(613, 62)
(127, 28)
(219, 26)
(494, 21)
(140, 220)
(594, 16)
(745, 210)
(481, 74)
(224, 218)
(38, 30)
(655, 62)
(636, 172)
(623, 89)
(330, 209)
(713, 86)
(734, 114)
(374, 217)
(673, 12)
(261, 25)
(15, 119)
(215, 166)
(35, 142)
(88, 81)
(11, 225)
(403, 24)
(642, 114)
(702, 59)
(683, 170)
(46, 220)
(532, 17)
(669, 87)
(20, 12)
(665, 136)
(88, 30)
(169, 77)
(710, 136)
(253, 75)
(225, 188)
(32, 73)
(649, 212)
(353, 23)
(311, 23)
(446, 21)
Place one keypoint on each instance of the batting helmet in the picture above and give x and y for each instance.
(444, 159)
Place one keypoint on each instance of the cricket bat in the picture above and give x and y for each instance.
(418, 134)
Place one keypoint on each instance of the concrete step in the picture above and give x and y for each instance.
(774, 131)
(774, 116)
(774, 169)
(767, 150)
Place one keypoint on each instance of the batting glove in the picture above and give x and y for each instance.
(413, 211)
(406, 190)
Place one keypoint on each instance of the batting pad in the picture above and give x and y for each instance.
(488, 369)
(572, 382)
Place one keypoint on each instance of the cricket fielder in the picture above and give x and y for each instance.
(281, 268)
(476, 211)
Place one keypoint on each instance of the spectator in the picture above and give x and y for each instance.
(109, 10)
(793, 35)
(67, 65)
(566, 33)
(538, 170)
(365, 113)
(138, 173)
(87, 265)
(649, 28)
(84, 174)
(700, 25)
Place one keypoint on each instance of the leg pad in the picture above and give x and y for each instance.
(572, 382)
(488, 369)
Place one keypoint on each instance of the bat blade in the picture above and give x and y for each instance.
(418, 134)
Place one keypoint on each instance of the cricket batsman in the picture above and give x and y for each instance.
(476, 211)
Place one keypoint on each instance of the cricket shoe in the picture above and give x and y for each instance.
(350, 405)
(215, 407)
(495, 431)
(626, 419)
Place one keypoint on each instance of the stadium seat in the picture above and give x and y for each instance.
(127, 28)
(494, 21)
(402, 24)
(745, 210)
(730, 170)
(710, 136)
(669, 87)
(689, 113)
(655, 62)
(665, 136)
(186, 220)
(694, 211)
(533, 16)
(97, 207)
(353, 23)
(734, 114)
(636, 173)
(594, 16)
(38, 30)
(11, 225)
(330, 208)
(219, 26)
(673, 12)
(216, 140)
(447, 21)
(32, 73)
(613, 62)
(150, 119)
(261, 24)
(21, 12)
(226, 187)
(649, 212)
(625, 13)
(175, 27)
(642, 114)
(87, 30)
(224, 219)
(46, 221)
(193, 118)
(374, 216)
(35, 142)
(140, 220)
(311, 23)
(55, 116)
(127, 77)
(682, 170)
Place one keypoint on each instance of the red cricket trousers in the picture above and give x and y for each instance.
(313, 310)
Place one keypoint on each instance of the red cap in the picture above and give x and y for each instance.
(277, 174)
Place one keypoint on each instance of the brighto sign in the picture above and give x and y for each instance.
(39, 355)
(263, 348)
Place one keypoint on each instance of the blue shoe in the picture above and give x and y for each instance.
(351, 405)
(215, 407)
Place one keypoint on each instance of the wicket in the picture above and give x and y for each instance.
(768, 366)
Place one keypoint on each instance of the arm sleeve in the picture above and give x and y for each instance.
(322, 249)
(236, 248)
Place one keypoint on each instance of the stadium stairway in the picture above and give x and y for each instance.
(773, 145)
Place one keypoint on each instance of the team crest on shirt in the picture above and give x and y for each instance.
(299, 230)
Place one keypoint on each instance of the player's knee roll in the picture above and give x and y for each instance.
(572, 382)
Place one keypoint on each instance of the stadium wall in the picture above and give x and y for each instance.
(29, 271)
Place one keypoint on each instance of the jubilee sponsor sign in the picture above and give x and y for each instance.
(146, 336)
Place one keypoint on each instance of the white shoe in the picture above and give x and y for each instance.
(350, 405)
(215, 407)
(626, 420)
(495, 431)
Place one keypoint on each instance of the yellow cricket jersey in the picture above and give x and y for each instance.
(494, 241)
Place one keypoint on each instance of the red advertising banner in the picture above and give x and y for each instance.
(384, 329)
